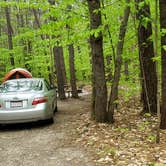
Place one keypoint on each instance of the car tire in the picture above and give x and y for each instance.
(56, 109)
(50, 121)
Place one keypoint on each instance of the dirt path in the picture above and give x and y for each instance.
(46, 145)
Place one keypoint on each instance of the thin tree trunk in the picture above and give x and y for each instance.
(71, 61)
(126, 70)
(60, 81)
(163, 63)
(58, 50)
(63, 66)
(157, 70)
(21, 20)
(147, 65)
(98, 63)
(72, 72)
(118, 62)
(10, 32)
(81, 60)
(37, 22)
(52, 61)
(18, 21)
(108, 69)
(27, 44)
(109, 35)
(20, 24)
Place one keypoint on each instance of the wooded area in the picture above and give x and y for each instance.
(117, 46)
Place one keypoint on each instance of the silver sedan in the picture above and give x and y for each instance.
(27, 100)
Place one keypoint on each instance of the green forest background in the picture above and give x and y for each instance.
(39, 58)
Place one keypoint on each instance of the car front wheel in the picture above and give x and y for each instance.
(50, 120)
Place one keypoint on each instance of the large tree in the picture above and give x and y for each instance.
(163, 59)
(146, 55)
(96, 43)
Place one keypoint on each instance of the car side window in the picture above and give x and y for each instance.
(47, 85)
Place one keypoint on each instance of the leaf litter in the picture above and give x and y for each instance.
(131, 140)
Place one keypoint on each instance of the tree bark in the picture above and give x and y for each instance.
(98, 62)
(108, 68)
(156, 44)
(126, 70)
(10, 32)
(72, 72)
(37, 22)
(60, 81)
(147, 65)
(71, 61)
(63, 67)
(162, 4)
(118, 63)
(93, 85)
(58, 52)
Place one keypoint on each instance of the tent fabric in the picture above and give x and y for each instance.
(17, 73)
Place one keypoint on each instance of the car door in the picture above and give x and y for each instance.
(51, 94)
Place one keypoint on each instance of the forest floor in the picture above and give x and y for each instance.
(130, 141)
(75, 140)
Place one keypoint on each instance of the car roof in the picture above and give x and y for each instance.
(22, 79)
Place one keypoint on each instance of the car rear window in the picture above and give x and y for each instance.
(22, 85)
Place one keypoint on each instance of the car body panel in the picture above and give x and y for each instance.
(17, 107)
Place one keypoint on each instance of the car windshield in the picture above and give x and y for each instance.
(22, 86)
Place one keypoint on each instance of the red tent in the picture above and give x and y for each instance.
(17, 73)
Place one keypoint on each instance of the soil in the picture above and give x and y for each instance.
(46, 144)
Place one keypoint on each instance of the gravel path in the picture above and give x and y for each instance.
(41, 144)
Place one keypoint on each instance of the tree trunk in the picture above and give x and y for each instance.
(163, 63)
(108, 68)
(10, 32)
(126, 70)
(118, 63)
(72, 72)
(93, 115)
(58, 52)
(147, 65)
(60, 81)
(83, 73)
(156, 43)
(98, 63)
(63, 68)
(109, 34)
(71, 61)
(93, 85)
(21, 20)
(27, 44)
(37, 22)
